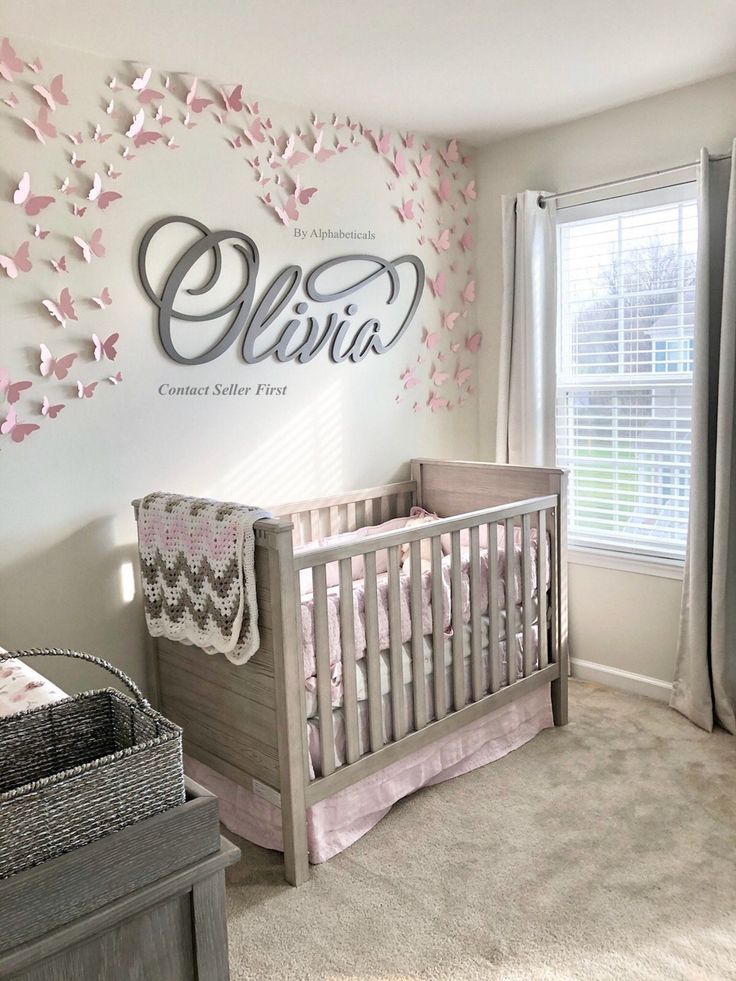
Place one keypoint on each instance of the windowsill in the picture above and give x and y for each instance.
(642, 565)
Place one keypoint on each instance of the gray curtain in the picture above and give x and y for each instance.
(525, 432)
(705, 677)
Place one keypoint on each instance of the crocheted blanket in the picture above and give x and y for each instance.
(198, 570)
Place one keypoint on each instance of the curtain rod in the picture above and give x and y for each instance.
(543, 198)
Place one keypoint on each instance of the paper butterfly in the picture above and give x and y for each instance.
(9, 60)
(22, 196)
(103, 300)
(56, 367)
(450, 155)
(116, 378)
(86, 391)
(442, 242)
(437, 285)
(59, 264)
(473, 342)
(423, 166)
(12, 389)
(103, 198)
(140, 85)
(234, 101)
(406, 211)
(443, 189)
(430, 340)
(93, 247)
(105, 349)
(409, 378)
(54, 95)
(17, 430)
(196, 105)
(20, 262)
(63, 310)
(469, 192)
(466, 242)
(49, 410)
(468, 293)
(42, 127)
(450, 318)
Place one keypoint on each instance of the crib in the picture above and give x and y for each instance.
(451, 620)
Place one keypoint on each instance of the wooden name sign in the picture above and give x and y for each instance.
(269, 330)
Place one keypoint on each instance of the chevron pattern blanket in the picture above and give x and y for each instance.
(198, 571)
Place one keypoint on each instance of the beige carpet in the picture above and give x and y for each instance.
(603, 850)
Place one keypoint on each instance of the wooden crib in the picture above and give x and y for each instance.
(248, 722)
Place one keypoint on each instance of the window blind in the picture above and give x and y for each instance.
(624, 373)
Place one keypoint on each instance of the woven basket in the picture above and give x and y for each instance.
(81, 768)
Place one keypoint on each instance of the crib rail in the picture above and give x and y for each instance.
(499, 616)
(335, 515)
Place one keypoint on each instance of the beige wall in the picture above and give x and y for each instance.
(619, 619)
(67, 535)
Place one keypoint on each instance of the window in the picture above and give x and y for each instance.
(624, 369)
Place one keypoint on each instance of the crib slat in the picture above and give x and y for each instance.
(375, 710)
(438, 633)
(314, 525)
(458, 668)
(300, 636)
(322, 656)
(362, 514)
(510, 603)
(554, 589)
(475, 638)
(342, 518)
(526, 595)
(494, 618)
(347, 646)
(542, 587)
(417, 632)
(398, 712)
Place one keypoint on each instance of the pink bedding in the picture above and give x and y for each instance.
(333, 602)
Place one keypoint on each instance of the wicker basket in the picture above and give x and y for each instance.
(81, 768)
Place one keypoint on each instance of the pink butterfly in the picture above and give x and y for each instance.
(41, 233)
(430, 340)
(289, 212)
(9, 60)
(113, 174)
(140, 85)
(436, 403)
(12, 389)
(466, 242)
(160, 118)
(437, 285)
(105, 349)
(103, 198)
(20, 262)
(86, 391)
(450, 318)
(423, 166)
(253, 108)
(319, 152)
(463, 376)
(450, 155)
(186, 121)
(409, 378)
(400, 164)
(63, 310)
(17, 430)
(59, 265)
(443, 189)
(234, 101)
(78, 211)
(406, 211)
(303, 194)
(116, 378)
(42, 127)
(408, 141)
(442, 242)
(75, 138)
(291, 155)
(52, 411)
(12, 101)
(54, 95)
(98, 136)
(383, 144)
(103, 300)
(468, 293)
(93, 247)
(196, 105)
(469, 192)
(35, 66)
(76, 162)
(254, 133)
(22, 196)
(136, 124)
(473, 342)
(455, 347)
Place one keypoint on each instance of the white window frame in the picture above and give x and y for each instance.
(629, 195)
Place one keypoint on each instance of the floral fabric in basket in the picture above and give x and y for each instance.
(22, 688)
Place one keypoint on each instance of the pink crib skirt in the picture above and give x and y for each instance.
(340, 820)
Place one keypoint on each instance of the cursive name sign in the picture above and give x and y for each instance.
(268, 328)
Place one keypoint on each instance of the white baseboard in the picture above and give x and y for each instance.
(637, 684)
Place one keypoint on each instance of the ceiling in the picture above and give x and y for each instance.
(479, 69)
